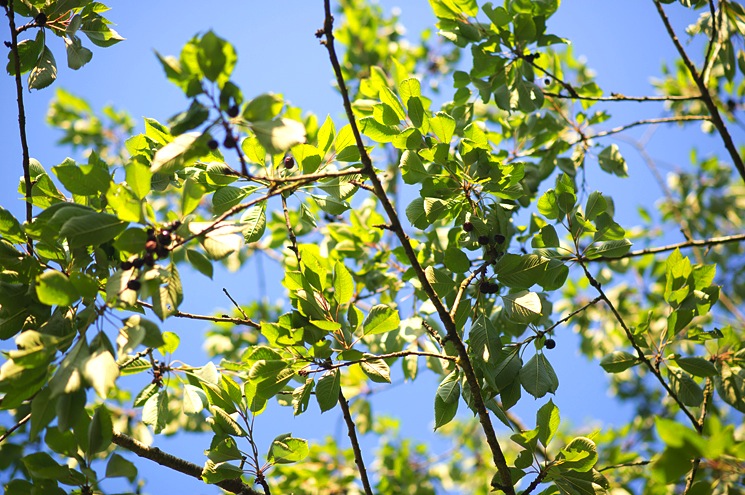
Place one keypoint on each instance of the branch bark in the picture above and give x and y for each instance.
(464, 361)
(26, 159)
(352, 432)
(177, 464)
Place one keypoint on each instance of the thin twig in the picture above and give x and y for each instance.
(216, 319)
(713, 241)
(177, 464)
(639, 352)
(537, 481)
(620, 97)
(716, 118)
(569, 316)
(625, 464)
(293, 240)
(464, 285)
(352, 432)
(708, 391)
(238, 306)
(26, 158)
(662, 120)
(505, 475)
(384, 356)
(13, 428)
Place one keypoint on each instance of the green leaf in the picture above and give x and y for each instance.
(171, 157)
(611, 161)
(343, 283)
(77, 54)
(521, 272)
(618, 361)
(327, 390)
(380, 133)
(444, 411)
(85, 180)
(730, 385)
(195, 400)
(449, 389)
(376, 369)
(685, 387)
(155, 411)
(119, 467)
(266, 106)
(101, 371)
(254, 222)
(224, 424)
(523, 306)
(697, 366)
(287, 450)
(199, 262)
(595, 205)
(216, 57)
(43, 411)
(278, 136)
(608, 249)
(216, 472)
(326, 135)
(55, 289)
(580, 455)
(380, 319)
(192, 196)
(100, 430)
(44, 72)
(484, 340)
(537, 376)
(547, 422)
(91, 229)
(443, 125)
(28, 51)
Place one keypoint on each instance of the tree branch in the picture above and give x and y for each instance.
(452, 331)
(177, 464)
(713, 241)
(384, 356)
(621, 97)
(216, 319)
(13, 428)
(639, 352)
(352, 432)
(625, 464)
(716, 118)
(663, 120)
(26, 159)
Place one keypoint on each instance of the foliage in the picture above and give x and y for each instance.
(448, 227)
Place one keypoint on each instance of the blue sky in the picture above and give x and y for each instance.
(623, 41)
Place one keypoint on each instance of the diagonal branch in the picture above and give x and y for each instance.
(26, 160)
(506, 483)
(217, 319)
(177, 464)
(716, 118)
(663, 120)
(621, 97)
(639, 352)
(352, 431)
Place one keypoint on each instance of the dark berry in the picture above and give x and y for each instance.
(134, 285)
(150, 234)
(162, 252)
(149, 259)
(550, 343)
(233, 111)
(138, 262)
(499, 238)
(289, 162)
(164, 237)
(488, 288)
(126, 265)
(175, 225)
(468, 226)
(483, 240)
(547, 81)
(212, 144)
(151, 246)
(229, 142)
(41, 19)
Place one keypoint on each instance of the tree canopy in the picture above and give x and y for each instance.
(446, 220)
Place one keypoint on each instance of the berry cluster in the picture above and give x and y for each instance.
(487, 287)
(155, 246)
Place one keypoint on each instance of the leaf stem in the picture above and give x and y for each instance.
(13, 428)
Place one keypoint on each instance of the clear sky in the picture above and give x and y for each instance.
(623, 41)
